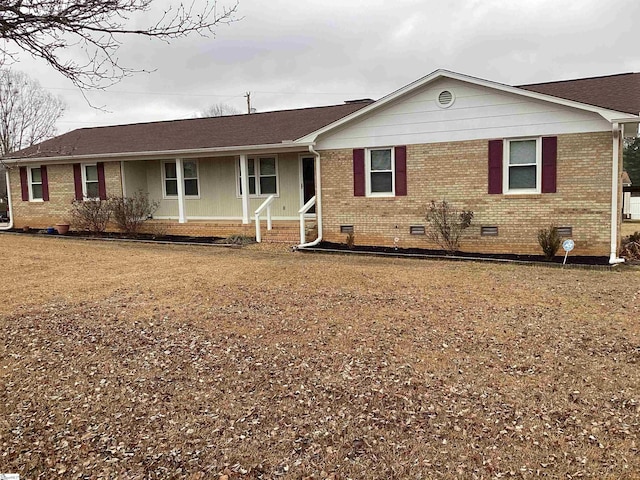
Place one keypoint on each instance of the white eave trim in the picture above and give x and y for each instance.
(630, 119)
(167, 154)
(612, 116)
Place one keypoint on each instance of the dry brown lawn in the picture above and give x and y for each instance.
(150, 361)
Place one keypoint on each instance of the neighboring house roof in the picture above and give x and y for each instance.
(619, 92)
(192, 134)
(626, 180)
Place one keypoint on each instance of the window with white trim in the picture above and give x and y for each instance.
(35, 184)
(380, 172)
(523, 165)
(190, 179)
(262, 173)
(90, 188)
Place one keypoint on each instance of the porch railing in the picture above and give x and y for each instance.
(265, 205)
(307, 206)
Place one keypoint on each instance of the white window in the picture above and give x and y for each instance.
(35, 184)
(190, 178)
(262, 173)
(523, 165)
(90, 189)
(380, 172)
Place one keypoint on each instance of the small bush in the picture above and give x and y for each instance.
(130, 212)
(549, 241)
(239, 240)
(447, 224)
(351, 240)
(90, 215)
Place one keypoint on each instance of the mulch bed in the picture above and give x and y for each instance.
(571, 259)
(147, 237)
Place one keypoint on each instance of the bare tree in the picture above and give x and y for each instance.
(46, 28)
(28, 113)
(218, 110)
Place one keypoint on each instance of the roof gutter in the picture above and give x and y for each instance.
(318, 201)
(9, 226)
(160, 154)
(615, 174)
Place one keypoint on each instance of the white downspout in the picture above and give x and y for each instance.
(9, 205)
(182, 217)
(615, 180)
(318, 201)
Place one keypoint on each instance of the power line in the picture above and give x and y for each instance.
(172, 94)
(129, 92)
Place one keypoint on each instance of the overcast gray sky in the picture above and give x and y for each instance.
(293, 53)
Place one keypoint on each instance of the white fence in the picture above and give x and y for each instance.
(634, 208)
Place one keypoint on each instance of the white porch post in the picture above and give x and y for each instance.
(180, 179)
(122, 179)
(244, 179)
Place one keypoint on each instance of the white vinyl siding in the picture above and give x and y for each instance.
(478, 113)
(219, 190)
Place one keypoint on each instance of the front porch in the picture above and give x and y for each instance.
(219, 196)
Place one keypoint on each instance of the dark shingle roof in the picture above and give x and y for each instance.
(619, 92)
(198, 133)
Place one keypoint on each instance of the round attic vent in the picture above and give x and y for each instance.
(445, 99)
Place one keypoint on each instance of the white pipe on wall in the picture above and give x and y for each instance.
(615, 185)
(9, 226)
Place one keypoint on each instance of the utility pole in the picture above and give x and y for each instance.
(248, 97)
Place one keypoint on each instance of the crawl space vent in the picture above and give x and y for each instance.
(489, 231)
(416, 229)
(346, 228)
(565, 231)
(445, 99)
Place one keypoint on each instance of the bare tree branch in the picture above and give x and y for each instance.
(45, 28)
(218, 110)
(28, 113)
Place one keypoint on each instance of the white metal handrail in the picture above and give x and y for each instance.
(266, 204)
(307, 206)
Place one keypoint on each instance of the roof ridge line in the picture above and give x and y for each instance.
(577, 79)
(351, 102)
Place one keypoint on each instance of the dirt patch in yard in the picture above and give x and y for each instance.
(160, 361)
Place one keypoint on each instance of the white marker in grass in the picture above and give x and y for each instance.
(567, 245)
